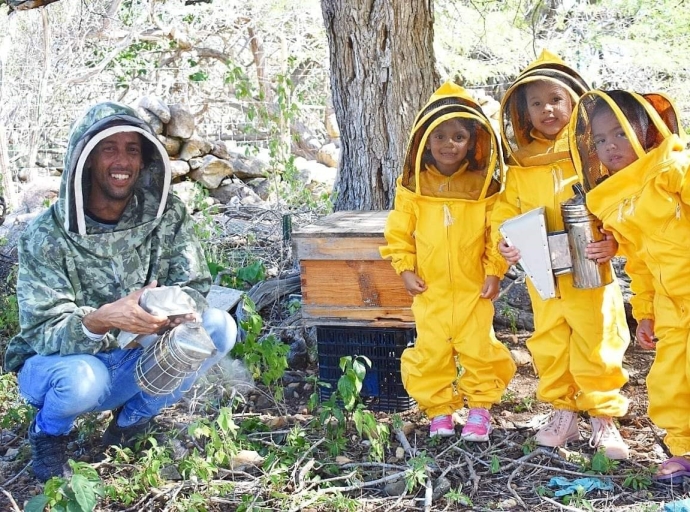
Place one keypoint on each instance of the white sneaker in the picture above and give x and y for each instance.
(561, 429)
(605, 435)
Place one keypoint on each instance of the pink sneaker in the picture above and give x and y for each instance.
(442, 426)
(478, 426)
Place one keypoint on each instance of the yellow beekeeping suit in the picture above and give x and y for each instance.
(439, 229)
(581, 336)
(647, 207)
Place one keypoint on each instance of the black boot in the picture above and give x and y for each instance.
(48, 454)
(125, 437)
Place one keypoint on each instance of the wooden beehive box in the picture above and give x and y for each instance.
(344, 279)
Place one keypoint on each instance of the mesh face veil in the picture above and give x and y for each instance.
(482, 155)
(516, 124)
(646, 120)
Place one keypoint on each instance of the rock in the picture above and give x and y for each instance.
(395, 488)
(39, 194)
(156, 106)
(400, 453)
(195, 162)
(328, 155)
(507, 503)
(440, 487)
(212, 171)
(153, 121)
(171, 144)
(193, 147)
(179, 168)
(262, 187)
(297, 355)
(246, 458)
(227, 191)
(220, 149)
(256, 165)
(170, 472)
(332, 125)
(186, 191)
(314, 172)
(521, 356)
(50, 160)
(181, 122)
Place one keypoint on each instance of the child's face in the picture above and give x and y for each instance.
(549, 107)
(448, 143)
(612, 145)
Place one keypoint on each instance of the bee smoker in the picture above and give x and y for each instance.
(177, 353)
(544, 256)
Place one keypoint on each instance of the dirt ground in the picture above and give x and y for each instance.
(508, 472)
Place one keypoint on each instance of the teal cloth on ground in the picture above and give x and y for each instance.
(564, 486)
(678, 506)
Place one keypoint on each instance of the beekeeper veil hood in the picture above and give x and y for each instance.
(646, 119)
(152, 187)
(516, 125)
(451, 101)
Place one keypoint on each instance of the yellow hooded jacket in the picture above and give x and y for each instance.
(581, 336)
(647, 207)
(440, 230)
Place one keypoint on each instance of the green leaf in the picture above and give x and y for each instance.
(37, 503)
(84, 492)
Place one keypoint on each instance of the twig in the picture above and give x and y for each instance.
(9, 497)
(473, 476)
(428, 492)
(304, 456)
(8, 482)
(303, 473)
(329, 490)
(400, 435)
(560, 505)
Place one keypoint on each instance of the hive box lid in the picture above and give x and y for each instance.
(345, 235)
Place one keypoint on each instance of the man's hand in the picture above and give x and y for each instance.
(490, 288)
(413, 283)
(603, 250)
(125, 314)
(645, 334)
(511, 254)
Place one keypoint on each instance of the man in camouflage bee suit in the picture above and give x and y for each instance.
(115, 230)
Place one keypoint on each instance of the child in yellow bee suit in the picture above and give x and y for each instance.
(438, 241)
(581, 335)
(632, 157)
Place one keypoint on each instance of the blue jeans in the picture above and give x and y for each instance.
(63, 387)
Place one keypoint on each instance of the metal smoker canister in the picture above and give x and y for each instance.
(166, 362)
(582, 228)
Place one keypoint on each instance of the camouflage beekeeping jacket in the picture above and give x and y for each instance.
(70, 265)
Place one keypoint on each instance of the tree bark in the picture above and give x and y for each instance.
(382, 72)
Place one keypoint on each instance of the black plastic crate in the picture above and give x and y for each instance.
(382, 389)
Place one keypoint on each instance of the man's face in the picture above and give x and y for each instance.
(549, 107)
(115, 165)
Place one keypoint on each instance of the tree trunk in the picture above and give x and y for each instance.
(382, 72)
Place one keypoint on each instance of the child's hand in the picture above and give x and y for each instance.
(413, 283)
(511, 254)
(603, 250)
(645, 334)
(490, 288)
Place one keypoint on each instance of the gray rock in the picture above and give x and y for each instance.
(171, 144)
(212, 172)
(179, 168)
(228, 190)
(156, 106)
(152, 119)
(441, 486)
(194, 147)
(181, 122)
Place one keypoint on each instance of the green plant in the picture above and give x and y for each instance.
(512, 317)
(79, 493)
(457, 496)
(416, 475)
(495, 465)
(600, 463)
(525, 404)
(529, 445)
(15, 411)
(578, 500)
(266, 358)
(639, 480)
